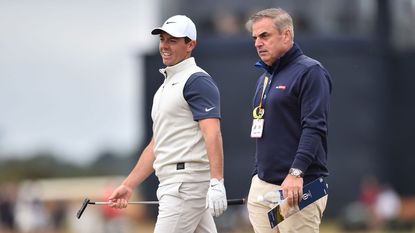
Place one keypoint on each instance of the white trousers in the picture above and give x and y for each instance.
(305, 221)
(182, 209)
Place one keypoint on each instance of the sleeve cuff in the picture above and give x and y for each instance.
(300, 163)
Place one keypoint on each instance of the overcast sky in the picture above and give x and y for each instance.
(70, 77)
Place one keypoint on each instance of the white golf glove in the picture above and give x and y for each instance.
(216, 197)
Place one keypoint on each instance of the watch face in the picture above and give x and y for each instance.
(296, 172)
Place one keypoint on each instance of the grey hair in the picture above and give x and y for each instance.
(281, 19)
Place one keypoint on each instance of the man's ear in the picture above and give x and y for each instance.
(288, 37)
(191, 45)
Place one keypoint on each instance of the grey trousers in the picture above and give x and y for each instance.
(182, 209)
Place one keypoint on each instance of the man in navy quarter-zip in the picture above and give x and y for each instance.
(186, 149)
(290, 112)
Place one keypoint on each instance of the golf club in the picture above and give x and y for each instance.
(87, 202)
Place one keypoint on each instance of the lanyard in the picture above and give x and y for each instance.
(259, 111)
(265, 90)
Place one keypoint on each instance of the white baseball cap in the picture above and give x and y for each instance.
(177, 26)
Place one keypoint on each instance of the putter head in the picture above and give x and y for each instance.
(83, 207)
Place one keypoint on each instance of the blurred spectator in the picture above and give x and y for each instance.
(369, 190)
(387, 206)
(6, 210)
(360, 214)
(30, 215)
(378, 207)
(58, 215)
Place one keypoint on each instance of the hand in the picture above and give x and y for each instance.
(216, 197)
(120, 197)
(292, 188)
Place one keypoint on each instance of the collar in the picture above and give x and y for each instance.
(170, 70)
(285, 59)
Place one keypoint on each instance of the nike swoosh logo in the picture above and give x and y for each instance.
(174, 83)
(170, 22)
(209, 109)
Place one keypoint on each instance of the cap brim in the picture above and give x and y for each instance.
(157, 31)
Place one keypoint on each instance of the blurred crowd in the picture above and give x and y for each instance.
(28, 207)
(379, 207)
(23, 209)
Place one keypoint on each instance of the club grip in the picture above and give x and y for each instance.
(236, 201)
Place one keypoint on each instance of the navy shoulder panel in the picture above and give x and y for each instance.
(202, 95)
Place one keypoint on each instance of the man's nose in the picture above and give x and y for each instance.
(163, 44)
(258, 43)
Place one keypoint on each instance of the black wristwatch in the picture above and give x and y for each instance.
(296, 172)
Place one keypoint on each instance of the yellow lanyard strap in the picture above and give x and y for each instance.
(259, 111)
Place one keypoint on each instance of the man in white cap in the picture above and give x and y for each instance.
(186, 148)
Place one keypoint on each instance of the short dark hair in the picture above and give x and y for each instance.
(187, 40)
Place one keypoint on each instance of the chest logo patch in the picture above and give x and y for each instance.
(281, 87)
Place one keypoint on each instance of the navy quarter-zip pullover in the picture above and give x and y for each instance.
(296, 112)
